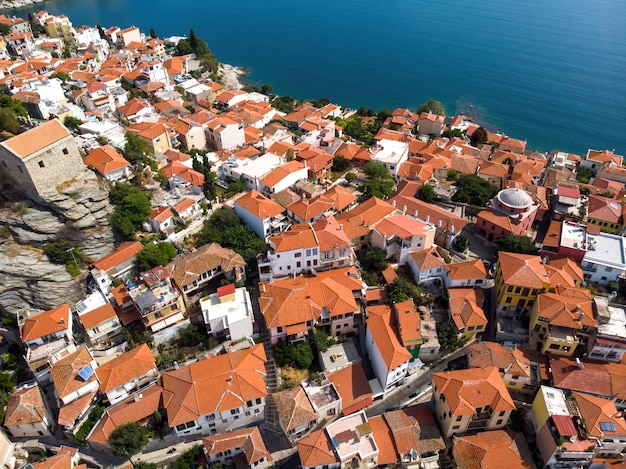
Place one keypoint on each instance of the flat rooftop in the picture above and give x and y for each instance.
(320, 395)
(391, 151)
(234, 307)
(339, 356)
(616, 327)
(352, 436)
(555, 401)
(573, 235)
(606, 249)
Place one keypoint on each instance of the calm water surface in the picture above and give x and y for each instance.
(552, 73)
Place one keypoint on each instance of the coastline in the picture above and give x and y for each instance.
(232, 76)
(15, 4)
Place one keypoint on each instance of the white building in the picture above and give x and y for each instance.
(284, 176)
(228, 312)
(250, 170)
(392, 154)
(353, 439)
(605, 259)
(261, 214)
(225, 133)
(398, 235)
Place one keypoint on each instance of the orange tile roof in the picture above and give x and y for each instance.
(404, 430)
(466, 307)
(128, 366)
(160, 214)
(361, 219)
(330, 234)
(506, 359)
(402, 226)
(341, 196)
(605, 209)
(133, 106)
(294, 408)
(522, 269)
(385, 335)
(187, 268)
(605, 379)
(594, 410)
(298, 237)
(353, 387)
(427, 259)
(234, 378)
(569, 307)
(450, 222)
(409, 322)
(387, 453)
(97, 316)
(130, 410)
(183, 205)
(65, 372)
(25, 407)
(316, 450)
(70, 412)
(259, 205)
(466, 390)
(279, 173)
(61, 460)
(124, 252)
(105, 159)
(176, 168)
(46, 323)
(37, 138)
(492, 450)
(473, 269)
(249, 440)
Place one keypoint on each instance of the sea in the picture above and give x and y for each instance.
(552, 73)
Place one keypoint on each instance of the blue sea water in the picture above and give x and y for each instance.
(553, 73)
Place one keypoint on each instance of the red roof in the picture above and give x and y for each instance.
(565, 425)
(226, 290)
(568, 192)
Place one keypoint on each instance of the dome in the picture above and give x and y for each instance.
(514, 198)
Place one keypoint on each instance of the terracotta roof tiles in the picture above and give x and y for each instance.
(126, 367)
(46, 323)
(249, 440)
(385, 335)
(37, 138)
(25, 406)
(492, 450)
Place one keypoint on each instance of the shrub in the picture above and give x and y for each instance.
(350, 177)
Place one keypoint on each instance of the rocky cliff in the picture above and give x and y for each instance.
(76, 211)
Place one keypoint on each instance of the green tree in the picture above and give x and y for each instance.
(144, 464)
(426, 193)
(479, 136)
(62, 251)
(266, 88)
(374, 259)
(7, 385)
(379, 183)
(156, 254)
(5, 29)
(462, 242)
(452, 133)
(128, 439)
(64, 77)
(584, 175)
(132, 207)
(516, 243)
(137, 149)
(340, 164)
(101, 32)
(235, 187)
(153, 34)
(350, 177)
(370, 278)
(452, 175)
(183, 47)
(448, 340)
(188, 459)
(299, 355)
(284, 104)
(474, 190)
(72, 122)
(402, 289)
(8, 121)
(374, 169)
(433, 106)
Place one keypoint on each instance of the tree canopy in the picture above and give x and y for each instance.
(433, 106)
(299, 355)
(426, 193)
(72, 122)
(373, 259)
(474, 190)
(402, 289)
(517, 243)
(380, 183)
(583, 175)
(128, 439)
(137, 149)
(156, 254)
(132, 207)
(479, 136)
(448, 340)
(462, 242)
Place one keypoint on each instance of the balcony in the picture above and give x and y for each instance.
(43, 351)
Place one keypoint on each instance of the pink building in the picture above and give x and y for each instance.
(510, 212)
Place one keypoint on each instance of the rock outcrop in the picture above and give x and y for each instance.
(77, 211)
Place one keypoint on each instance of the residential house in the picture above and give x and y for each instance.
(243, 448)
(317, 450)
(604, 261)
(41, 158)
(608, 340)
(427, 266)
(305, 247)
(192, 271)
(161, 220)
(190, 134)
(261, 214)
(397, 436)
(605, 425)
(510, 212)
(562, 439)
(520, 278)
(466, 312)
(252, 171)
(228, 313)
(359, 221)
(317, 161)
(183, 178)
(471, 400)
(127, 374)
(398, 235)
(353, 440)
(596, 159)
(606, 213)
(430, 441)
(186, 210)
(566, 238)
(489, 450)
(21, 44)
(26, 414)
(512, 145)
(59, 27)
(65, 458)
(230, 98)
(44, 334)
(128, 35)
(495, 174)
(282, 177)
(353, 388)
(408, 322)
(296, 415)
(237, 398)
(75, 387)
(430, 124)
(135, 110)
(108, 163)
(389, 358)
(391, 154)
(565, 202)
(225, 133)
(521, 369)
(117, 265)
(562, 322)
(293, 306)
(102, 326)
(308, 210)
(323, 397)
(157, 301)
(157, 135)
(470, 273)
(139, 408)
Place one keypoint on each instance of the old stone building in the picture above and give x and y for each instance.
(40, 159)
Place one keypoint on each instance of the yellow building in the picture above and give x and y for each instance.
(519, 278)
(466, 312)
(59, 27)
(562, 321)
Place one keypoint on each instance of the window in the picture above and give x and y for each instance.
(298, 264)
(554, 346)
(41, 164)
(518, 289)
(66, 151)
(456, 427)
(459, 418)
(279, 329)
(521, 303)
(508, 299)
(499, 422)
(249, 404)
(338, 326)
(297, 254)
(308, 252)
(258, 401)
(470, 328)
(509, 290)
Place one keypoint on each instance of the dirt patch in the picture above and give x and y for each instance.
(289, 373)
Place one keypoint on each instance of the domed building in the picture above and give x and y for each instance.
(511, 211)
